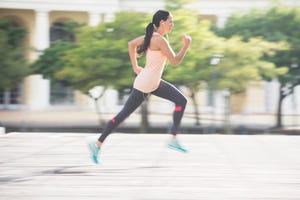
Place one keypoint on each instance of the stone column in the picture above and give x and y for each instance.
(42, 31)
(37, 92)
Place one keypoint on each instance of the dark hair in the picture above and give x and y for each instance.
(157, 17)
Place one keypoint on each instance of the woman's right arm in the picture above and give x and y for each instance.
(168, 51)
(132, 46)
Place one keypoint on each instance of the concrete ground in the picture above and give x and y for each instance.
(140, 167)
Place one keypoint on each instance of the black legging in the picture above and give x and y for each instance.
(165, 90)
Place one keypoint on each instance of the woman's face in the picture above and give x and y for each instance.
(168, 24)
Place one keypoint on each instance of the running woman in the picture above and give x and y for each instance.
(148, 79)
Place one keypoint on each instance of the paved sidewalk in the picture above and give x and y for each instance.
(40, 166)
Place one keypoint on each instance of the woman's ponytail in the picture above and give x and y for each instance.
(149, 31)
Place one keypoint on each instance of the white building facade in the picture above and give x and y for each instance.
(37, 16)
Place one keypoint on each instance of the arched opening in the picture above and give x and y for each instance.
(61, 93)
(61, 31)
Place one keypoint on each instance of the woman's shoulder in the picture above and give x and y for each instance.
(157, 38)
(157, 41)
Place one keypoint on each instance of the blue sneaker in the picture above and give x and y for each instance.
(94, 151)
(174, 144)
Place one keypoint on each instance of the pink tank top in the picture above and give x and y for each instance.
(149, 78)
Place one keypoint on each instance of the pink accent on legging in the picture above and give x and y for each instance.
(178, 108)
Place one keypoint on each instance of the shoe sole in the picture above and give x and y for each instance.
(177, 149)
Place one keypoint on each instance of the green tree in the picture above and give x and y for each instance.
(239, 67)
(236, 69)
(13, 65)
(276, 24)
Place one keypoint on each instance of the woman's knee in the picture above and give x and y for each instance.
(182, 101)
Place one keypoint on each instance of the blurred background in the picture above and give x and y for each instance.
(64, 65)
